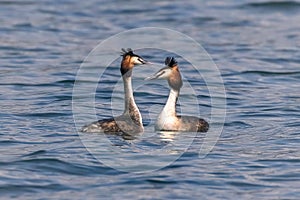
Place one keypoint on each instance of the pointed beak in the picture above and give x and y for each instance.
(150, 78)
(157, 75)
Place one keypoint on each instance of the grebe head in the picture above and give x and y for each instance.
(170, 73)
(130, 60)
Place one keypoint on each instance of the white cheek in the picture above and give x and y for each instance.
(136, 61)
(167, 74)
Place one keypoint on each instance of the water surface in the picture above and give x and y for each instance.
(255, 44)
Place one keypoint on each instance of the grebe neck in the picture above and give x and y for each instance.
(130, 104)
(170, 108)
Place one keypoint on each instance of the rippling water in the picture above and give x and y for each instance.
(255, 44)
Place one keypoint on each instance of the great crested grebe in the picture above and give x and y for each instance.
(131, 120)
(167, 119)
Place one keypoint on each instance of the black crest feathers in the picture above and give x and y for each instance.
(170, 61)
(126, 52)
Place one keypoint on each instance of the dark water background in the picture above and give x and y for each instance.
(256, 47)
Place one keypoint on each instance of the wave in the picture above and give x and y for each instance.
(269, 73)
(274, 5)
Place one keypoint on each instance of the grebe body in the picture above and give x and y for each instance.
(168, 120)
(131, 120)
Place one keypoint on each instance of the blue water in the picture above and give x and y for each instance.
(255, 45)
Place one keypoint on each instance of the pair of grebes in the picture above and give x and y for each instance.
(131, 120)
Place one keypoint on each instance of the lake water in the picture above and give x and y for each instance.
(255, 45)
